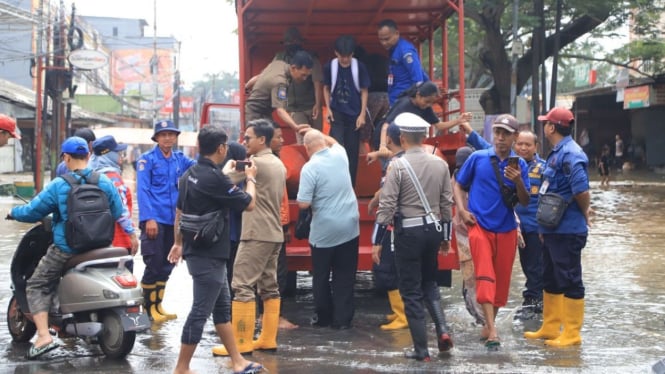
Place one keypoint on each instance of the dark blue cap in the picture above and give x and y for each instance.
(74, 146)
(166, 125)
(107, 144)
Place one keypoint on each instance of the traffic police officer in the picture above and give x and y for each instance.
(157, 174)
(270, 92)
(421, 230)
(405, 66)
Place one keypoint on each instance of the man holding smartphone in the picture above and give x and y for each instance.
(491, 220)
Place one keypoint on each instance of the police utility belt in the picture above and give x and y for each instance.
(417, 221)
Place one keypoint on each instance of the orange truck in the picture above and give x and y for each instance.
(261, 25)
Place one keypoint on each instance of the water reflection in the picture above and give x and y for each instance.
(623, 328)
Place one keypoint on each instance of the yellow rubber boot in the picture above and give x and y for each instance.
(161, 286)
(242, 321)
(573, 316)
(397, 305)
(552, 313)
(391, 317)
(267, 341)
(150, 303)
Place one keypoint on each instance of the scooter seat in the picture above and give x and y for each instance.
(95, 254)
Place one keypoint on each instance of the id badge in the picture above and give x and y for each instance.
(544, 186)
(390, 79)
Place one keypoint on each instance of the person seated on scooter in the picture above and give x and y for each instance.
(52, 199)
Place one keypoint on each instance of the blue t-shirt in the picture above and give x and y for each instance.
(325, 183)
(405, 69)
(346, 98)
(527, 213)
(477, 175)
(566, 174)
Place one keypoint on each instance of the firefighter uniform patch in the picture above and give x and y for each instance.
(408, 58)
(281, 92)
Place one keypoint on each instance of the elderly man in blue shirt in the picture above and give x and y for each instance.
(566, 175)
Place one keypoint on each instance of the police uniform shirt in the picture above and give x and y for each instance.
(300, 95)
(399, 194)
(269, 92)
(566, 174)
(405, 69)
(205, 189)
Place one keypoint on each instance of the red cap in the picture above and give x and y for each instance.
(9, 124)
(558, 115)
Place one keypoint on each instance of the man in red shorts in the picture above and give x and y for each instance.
(496, 179)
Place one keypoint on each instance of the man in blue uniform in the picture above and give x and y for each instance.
(405, 67)
(53, 199)
(157, 174)
(530, 246)
(565, 174)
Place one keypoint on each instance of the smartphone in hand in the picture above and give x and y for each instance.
(513, 162)
(241, 165)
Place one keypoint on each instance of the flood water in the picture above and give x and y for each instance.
(623, 332)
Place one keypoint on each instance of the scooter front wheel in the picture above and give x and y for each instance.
(20, 327)
(116, 343)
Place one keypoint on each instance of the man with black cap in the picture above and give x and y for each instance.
(7, 129)
(108, 160)
(89, 137)
(158, 171)
(417, 200)
(565, 175)
(52, 199)
(496, 179)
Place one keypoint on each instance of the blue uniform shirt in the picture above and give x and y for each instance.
(566, 174)
(53, 199)
(528, 214)
(157, 184)
(405, 69)
(477, 175)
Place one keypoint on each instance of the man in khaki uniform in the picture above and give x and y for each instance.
(422, 228)
(270, 91)
(261, 239)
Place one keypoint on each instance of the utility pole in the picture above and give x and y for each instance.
(38, 169)
(515, 53)
(154, 64)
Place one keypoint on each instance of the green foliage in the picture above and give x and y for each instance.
(218, 88)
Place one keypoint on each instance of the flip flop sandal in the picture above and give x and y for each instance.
(492, 344)
(252, 368)
(35, 352)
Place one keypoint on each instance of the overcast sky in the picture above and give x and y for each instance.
(204, 27)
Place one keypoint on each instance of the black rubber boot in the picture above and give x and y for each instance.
(433, 305)
(419, 337)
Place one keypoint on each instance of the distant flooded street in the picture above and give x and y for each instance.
(623, 332)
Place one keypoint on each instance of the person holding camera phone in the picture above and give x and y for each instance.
(261, 239)
(494, 183)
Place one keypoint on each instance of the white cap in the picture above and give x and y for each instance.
(409, 122)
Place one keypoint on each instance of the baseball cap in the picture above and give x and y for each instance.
(9, 124)
(409, 122)
(292, 36)
(461, 155)
(74, 145)
(86, 134)
(506, 122)
(558, 115)
(165, 125)
(107, 144)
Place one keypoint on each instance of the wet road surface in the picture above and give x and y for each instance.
(623, 330)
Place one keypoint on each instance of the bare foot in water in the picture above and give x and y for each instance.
(285, 324)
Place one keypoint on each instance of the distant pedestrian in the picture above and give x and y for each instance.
(618, 152)
(604, 166)
(566, 176)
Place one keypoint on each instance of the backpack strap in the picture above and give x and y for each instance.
(334, 67)
(70, 179)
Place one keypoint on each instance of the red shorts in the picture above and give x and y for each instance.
(493, 256)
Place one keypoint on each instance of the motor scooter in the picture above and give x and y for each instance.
(97, 298)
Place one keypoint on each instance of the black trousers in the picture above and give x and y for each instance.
(334, 293)
(416, 251)
(531, 259)
(344, 131)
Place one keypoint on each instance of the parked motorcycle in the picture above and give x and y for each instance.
(97, 298)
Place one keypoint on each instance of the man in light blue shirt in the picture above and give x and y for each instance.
(325, 186)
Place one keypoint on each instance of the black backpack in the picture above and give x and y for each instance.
(89, 224)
